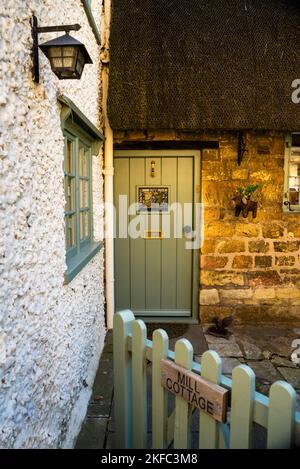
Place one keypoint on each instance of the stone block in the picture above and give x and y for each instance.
(236, 294)
(263, 261)
(208, 246)
(294, 228)
(260, 246)
(210, 155)
(288, 246)
(209, 297)
(213, 262)
(212, 214)
(247, 230)
(240, 174)
(273, 231)
(285, 261)
(231, 246)
(210, 278)
(264, 294)
(242, 262)
(287, 293)
(263, 279)
(218, 230)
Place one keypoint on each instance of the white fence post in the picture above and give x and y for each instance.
(211, 366)
(122, 379)
(183, 357)
(139, 385)
(159, 393)
(281, 418)
(242, 405)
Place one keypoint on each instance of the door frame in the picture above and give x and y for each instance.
(196, 155)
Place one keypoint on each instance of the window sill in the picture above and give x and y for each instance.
(76, 263)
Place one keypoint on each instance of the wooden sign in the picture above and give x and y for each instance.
(200, 393)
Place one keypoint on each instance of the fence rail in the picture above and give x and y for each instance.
(132, 351)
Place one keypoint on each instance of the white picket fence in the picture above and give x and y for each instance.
(132, 351)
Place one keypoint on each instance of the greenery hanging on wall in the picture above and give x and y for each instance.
(243, 203)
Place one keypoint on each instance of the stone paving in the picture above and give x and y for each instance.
(266, 349)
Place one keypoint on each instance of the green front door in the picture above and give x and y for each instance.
(156, 274)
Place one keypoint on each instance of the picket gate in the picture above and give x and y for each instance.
(132, 351)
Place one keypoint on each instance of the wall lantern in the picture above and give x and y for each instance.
(66, 54)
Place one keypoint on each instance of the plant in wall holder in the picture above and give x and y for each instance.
(243, 203)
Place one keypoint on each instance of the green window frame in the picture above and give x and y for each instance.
(292, 173)
(82, 140)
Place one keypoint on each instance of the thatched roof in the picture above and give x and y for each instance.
(204, 64)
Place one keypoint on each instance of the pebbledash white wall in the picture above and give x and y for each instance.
(51, 334)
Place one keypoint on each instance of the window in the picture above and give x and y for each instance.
(292, 173)
(82, 140)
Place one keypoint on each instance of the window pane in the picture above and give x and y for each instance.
(86, 193)
(296, 140)
(70, 231)
(86, 163)
(86, 224)
(294, 180)
(80, 161)
(69, 193)
(81, 223)
(69, 159)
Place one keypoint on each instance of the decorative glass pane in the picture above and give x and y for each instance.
(153, 199)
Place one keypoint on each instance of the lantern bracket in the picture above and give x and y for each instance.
(35, 31)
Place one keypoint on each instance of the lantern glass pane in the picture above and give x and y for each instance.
(55, 51)
(57, 62)
(80, 63)
(69, 51)
(68, 62)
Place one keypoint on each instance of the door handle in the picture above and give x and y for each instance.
(187, 229)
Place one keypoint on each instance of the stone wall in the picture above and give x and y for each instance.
(249, 268)
(51, 334)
